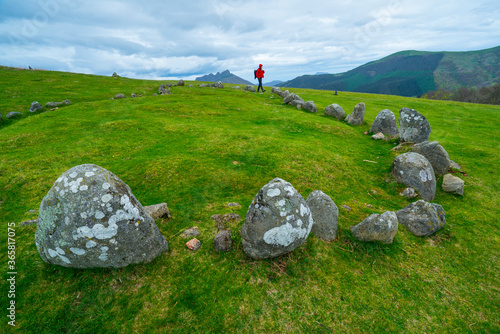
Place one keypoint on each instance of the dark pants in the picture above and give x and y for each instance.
(260, 85)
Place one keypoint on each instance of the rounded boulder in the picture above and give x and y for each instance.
(414, 170)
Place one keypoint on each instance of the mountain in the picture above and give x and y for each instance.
(225, 77)
(273, 83)
(412, 73)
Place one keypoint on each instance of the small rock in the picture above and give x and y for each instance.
(193, 244)
(155, 94)
(409, 193)
(378, 136)
(454, 165)
(191, 232)
(348, 208)
(35, 106)
(233, 204)
(13, 114)
(453, 184)
(226, 217)
(369, 206)
(236, 87)
(133, 95)
(422, 218)
(377, 228)
(250, 88)
(158, 211)
(119, 96)
(33, 211)
(223, 241)
(52, 104)
(66, 102)
(299, 106)
(29, 222)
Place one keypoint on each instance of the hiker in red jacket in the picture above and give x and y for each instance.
(260, 74)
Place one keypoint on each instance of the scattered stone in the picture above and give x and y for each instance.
(454, 165)
(250, 88)
(310, 106)
(378, 136)
(415, 171)
(234, 204)
(422, 218)
(336, 111)
(90, 218)
(436, 154)
(203, 85)
(377, 228)
(115, 75)
(358, 115)
(180, 83)
(283, 94)
(29, 222)
(347, 207)
(56, 108)
(191, 232)
(369, 206)
(190, 86)
(35, 106)
(13, 114)
(158, 211)
(278, 221)
(275, 90)
(52, 104)
(453, 184)
(325, 215)
(299, 106)
(155, 94)
(409, 193)
(163, 90)
(413, 127)
(66, 102)
(385, 122)
(293, 99)
(236, 87)
(193, 244)
(133, 95)
(33, 211)
(119, 96)
(223, 241)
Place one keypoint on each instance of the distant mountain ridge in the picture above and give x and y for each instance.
(225, 77)
(412, 73)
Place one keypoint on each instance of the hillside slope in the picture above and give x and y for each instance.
(412, 73)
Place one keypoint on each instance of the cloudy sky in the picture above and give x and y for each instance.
(185, 39)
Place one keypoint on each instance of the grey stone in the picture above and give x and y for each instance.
(35, 106)
(422, 218)
(13, 114)
(233, 204)
(358, 115)
(293, 99)
(436, 154)
(413, 127)
(377, 227)
(90, 218)
(66, 102)
(119, 96)
(52, 104)
(275, 90)
(310, 106)
(158, 211)
(453, 184)
(223, 241)
(347, 207)
(283, 94)
(236, 87)
(155, 94)
(115, 75)
(203, 85)
(409, 193)
(163, 90)
(180, 83)
(191, 232)
(29, 222)
(415, 171)
(385, 122)
(454, 165)
(250, 88)
(335, 110)
(325, 215)
(278, 221)
(133, 95)
(378, 136)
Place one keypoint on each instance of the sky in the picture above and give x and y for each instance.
(154, 39)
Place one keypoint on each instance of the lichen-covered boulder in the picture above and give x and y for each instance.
(385, 122)
(335, 110)
(294, 99)
(310, 106)
(35, 106)
(436, 154)
(413, 127)
(278, 221)
(325, 215)
(90, 218)
(358, 115)
(377, 227)
(422, 218)
(414, 170)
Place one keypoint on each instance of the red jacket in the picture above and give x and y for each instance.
(260, 72)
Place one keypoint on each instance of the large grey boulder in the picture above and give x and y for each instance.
(283, 94)
(377, 227)
(35, 106)
(250, 88)
(310, 106)
(413, 127)
(453, 184)
(293, 99)
(385, 122)
(275, 90)
(335, 110)
(278, 221)
(119, 96)
(180, 82)
(415, 171)
(436, 154)
(358, 115)
(325, 215)
(422, 218)
(90, 218)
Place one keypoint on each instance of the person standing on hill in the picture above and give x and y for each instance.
(259, 74)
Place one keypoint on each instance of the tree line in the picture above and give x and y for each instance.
(483, 95)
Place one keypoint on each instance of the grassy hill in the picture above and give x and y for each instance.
(412, 73)
(201, 148)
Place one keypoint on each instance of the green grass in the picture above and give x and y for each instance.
(201, 148)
